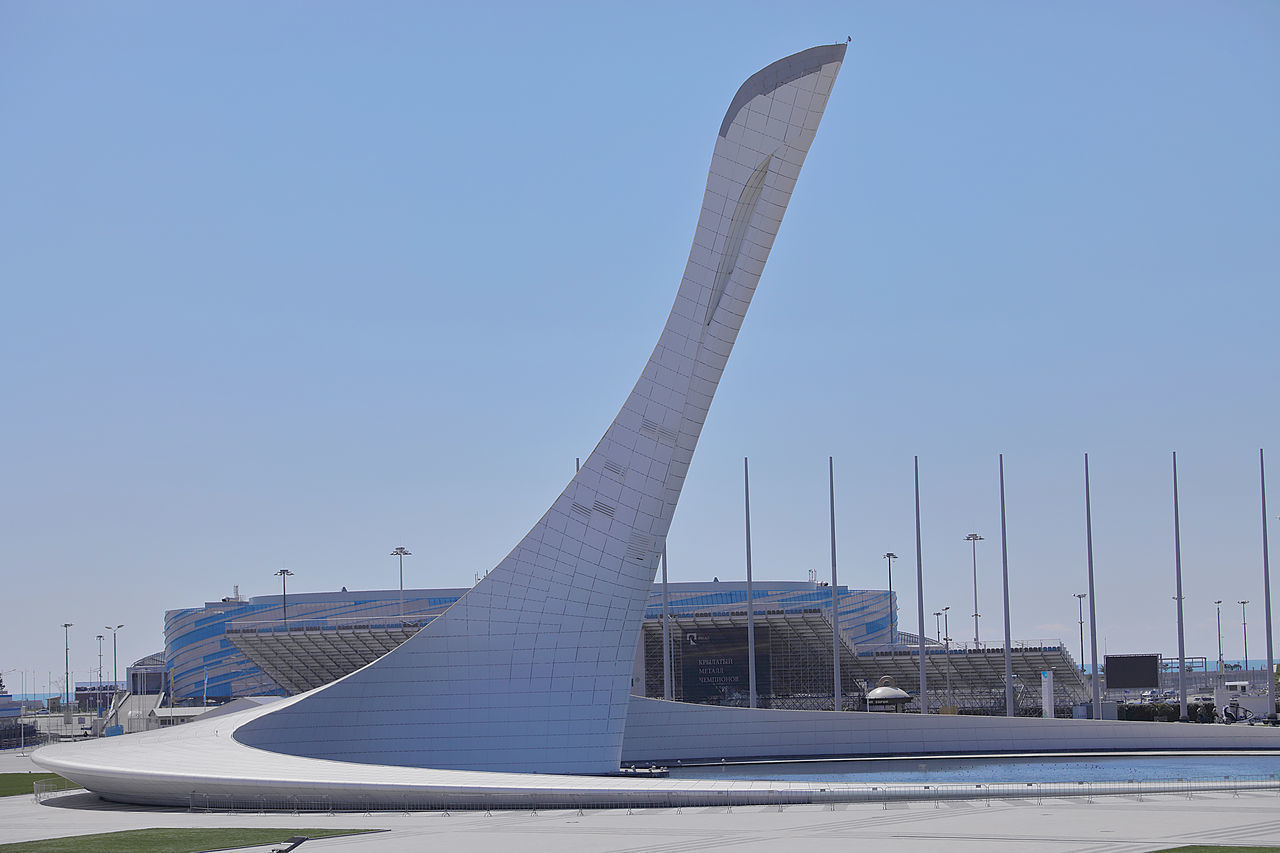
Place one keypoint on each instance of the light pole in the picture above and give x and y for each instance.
(66, 630)
(938, 615)
(284, 575)
(890, 557)
(401, 552)
(1218, 606)
(1080, 597)
(946, 639)
(97, 700)
(1244, 625)
(974, 539)
(115, 660)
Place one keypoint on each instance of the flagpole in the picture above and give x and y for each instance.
(837, 692)
(924, 683)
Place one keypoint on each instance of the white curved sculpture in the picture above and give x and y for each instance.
(531, 670)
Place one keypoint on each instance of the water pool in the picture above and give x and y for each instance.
(929, 770)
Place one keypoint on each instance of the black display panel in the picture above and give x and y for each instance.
(714, 665)
(1132, 672)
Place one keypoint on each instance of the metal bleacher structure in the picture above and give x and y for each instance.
(963, 676)
(971, 678)
(305, 654)
(302, 655)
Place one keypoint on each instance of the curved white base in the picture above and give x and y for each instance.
(201, 765)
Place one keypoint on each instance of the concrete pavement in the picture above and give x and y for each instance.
(1110, 824)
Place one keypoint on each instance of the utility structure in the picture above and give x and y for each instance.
(66, 674)
(1093, 598)
(401, 552)
(1004, 580)
(924, 675)
(893, 609)
(751, 603)
(97, 699)
(1218, 606)
(945, 637)
(1266, 592)
(837, 689)
(973, 539)
(284, 575)
(1244, 626)
(1177, 568)
(115, 659)
(1080, 597)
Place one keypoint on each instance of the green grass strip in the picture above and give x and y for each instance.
(170, 840)
(21, 783)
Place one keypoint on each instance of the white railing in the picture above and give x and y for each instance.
(381, 621)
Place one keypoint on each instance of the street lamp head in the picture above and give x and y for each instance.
(945, 609)
(1242, 603)
(973, 537)
(1081, 595)
(67, 624)
(890, 556)
(1219, 601)
(284, 573)
(402, 552)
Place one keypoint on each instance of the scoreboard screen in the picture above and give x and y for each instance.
(1132, 672)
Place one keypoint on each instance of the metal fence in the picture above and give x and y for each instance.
(43, 789)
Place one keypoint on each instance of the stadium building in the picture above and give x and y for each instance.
(274, 645)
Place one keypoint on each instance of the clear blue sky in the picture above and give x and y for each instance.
(292, 284)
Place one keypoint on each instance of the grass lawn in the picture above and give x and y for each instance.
(169, 840)
(21, 783)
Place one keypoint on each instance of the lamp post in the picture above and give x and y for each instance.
(974, 539)
(66, 630)
(1218, 606)
(97, 700)
(284, 575)
(890, 557)
(937, 629)
(1244, 625)
(1080, 597)
(946, 639)
(401, 552)
(115, 660)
